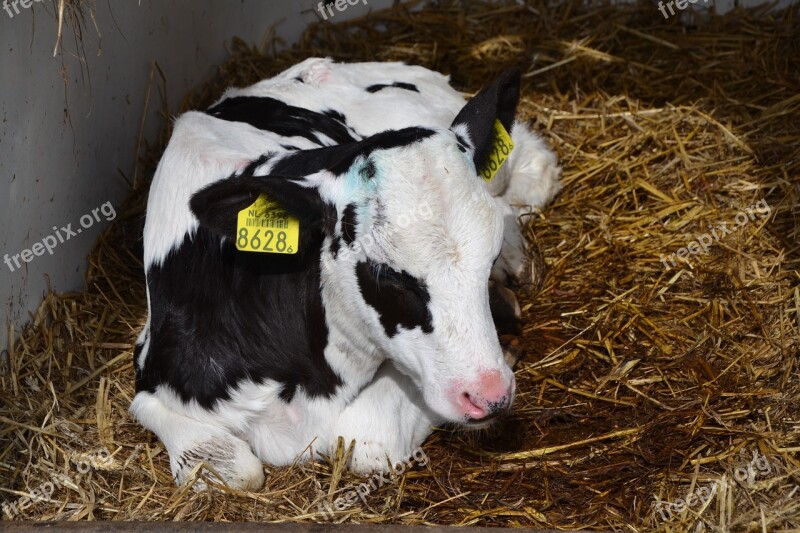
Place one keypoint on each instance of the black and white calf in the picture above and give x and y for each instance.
(379, 326)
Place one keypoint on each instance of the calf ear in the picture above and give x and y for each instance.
(498, 101)
(217, 205)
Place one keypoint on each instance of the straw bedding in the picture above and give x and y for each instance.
(641, 383)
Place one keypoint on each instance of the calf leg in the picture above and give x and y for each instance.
(535, 173)
(388, 421)
(189, 442)
(512, 266)
(530, 181)
(519, 264)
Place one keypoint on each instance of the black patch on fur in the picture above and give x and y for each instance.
(220, 317)
(338, 159)
(290, 147)
(334, 247)
(298, 78)
(137, 350)
(399, 298)
(380, 214)
(368, 171)
(335, 115)
(349, 224)
(397, 84)
(273, 115)
(329, 218)
(263, 159)
(462, 143)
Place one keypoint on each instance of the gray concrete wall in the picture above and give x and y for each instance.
(54, 170)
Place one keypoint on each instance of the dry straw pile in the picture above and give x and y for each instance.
(642, 383)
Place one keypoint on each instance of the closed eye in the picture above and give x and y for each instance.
(387, 277)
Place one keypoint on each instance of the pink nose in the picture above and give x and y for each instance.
(490, 394)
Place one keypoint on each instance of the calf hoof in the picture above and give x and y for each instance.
(506, 312)
(513, 350)
(230, 457)
(507, 317)
(526, 273)
(530, 275)
(370, 456)
(536, 269)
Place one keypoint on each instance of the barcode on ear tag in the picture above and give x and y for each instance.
(266, 227)
(500, 152)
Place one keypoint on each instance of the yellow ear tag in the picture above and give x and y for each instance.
(501, 150)
(266, 227)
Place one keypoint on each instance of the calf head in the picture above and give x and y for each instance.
(410, 235)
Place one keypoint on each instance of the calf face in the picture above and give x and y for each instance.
(410, 236)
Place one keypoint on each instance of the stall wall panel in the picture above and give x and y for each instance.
(69, 124)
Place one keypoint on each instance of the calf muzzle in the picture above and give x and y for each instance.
(491, 394)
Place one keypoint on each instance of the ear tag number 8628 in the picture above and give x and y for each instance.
(265, 227)
(501, 150)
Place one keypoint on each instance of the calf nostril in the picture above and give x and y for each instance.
(468, 398)
(470, 407)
